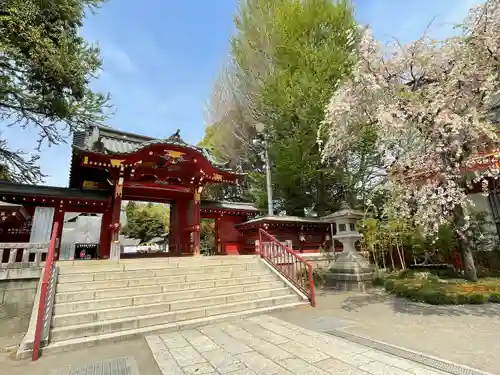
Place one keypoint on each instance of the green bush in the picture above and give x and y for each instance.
(406, 274)
(378, 281)
(436, 293)
(478, 298)
(319, 277)
(494, 297)
(389, 285)
(462, 299)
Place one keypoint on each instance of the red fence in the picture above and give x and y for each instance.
(47, 275)
(288, 263)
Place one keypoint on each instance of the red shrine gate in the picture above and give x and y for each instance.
(163, 171)
(109, 166)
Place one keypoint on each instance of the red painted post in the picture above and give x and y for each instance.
(105, 239)
(47, 271)
(311, 286)
(196, 222)
(261, 248)
(59, 220)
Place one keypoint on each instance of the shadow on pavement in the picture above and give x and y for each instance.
(404, 306)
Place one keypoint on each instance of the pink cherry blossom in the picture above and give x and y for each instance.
(434, 106)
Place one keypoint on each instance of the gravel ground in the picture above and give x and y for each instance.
(469, 335)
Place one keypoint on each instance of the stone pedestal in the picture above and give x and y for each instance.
(350, 272)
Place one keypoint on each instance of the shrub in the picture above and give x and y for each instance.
(494, 297)
(478, 298)
(389, 285)
(462, 299)
(378, 281)
(437, 293)
(406, 274)
(319, 277)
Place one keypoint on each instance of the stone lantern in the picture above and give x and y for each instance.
(351, 270)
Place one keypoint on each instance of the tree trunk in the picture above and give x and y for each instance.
(470, 272)
(383, 259)
(401, 258)
(374, 252)
(321, 203)
(392, 258)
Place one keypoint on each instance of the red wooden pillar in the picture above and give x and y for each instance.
(59, 219)
(182, 235)
(115, 220)
(218, 245)
(172, 235)
(105, 240)
(196, 222)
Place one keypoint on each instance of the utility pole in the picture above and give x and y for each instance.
(260, 129)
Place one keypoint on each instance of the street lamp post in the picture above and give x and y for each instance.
(260, 129)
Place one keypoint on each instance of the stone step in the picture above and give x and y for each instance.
(75, 296)
(97, 266)
(155, 280)
(98, 339)
(73, 274)
(216, 259)
(175, 317)
(172, 306)
(140, 299)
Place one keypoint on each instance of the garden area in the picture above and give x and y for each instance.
(428, 268)
(440, 288)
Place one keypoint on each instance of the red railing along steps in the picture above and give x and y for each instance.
(47, 274)
(288, 263)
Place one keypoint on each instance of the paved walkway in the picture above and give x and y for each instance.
(104, 357)
(259, 345)
(265, 345)
(468, 335)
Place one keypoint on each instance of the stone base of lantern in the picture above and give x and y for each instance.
(350, 272)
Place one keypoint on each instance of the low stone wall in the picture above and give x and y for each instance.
(18, 288)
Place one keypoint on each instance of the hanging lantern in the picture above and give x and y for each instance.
(302, 237)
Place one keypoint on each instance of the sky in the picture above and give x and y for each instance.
(160, 60)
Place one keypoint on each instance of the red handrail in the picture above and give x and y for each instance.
(47, 274)
(290, 264)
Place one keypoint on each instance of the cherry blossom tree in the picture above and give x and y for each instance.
(434, 107)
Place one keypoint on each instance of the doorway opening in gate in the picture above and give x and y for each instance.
(145, 228)
(208, 239)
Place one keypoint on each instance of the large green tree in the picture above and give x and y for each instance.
(146, 221)
(287, 58)
(45, 70)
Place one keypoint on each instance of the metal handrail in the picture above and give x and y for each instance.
(47, 274)
(288, 263)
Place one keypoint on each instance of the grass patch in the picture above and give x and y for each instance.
(430, 288)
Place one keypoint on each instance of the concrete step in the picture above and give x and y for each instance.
(84, 267)
(216, 259)
(111, 275)
(141, 299)
(172, 317)
(87, 295)
(155, 280)
(98, 339)
(163, 307)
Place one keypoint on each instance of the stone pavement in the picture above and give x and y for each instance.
(265, 345)
(465, 334)
(117, 366)
(98, 359)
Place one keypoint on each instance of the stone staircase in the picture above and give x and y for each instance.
(99, 301)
